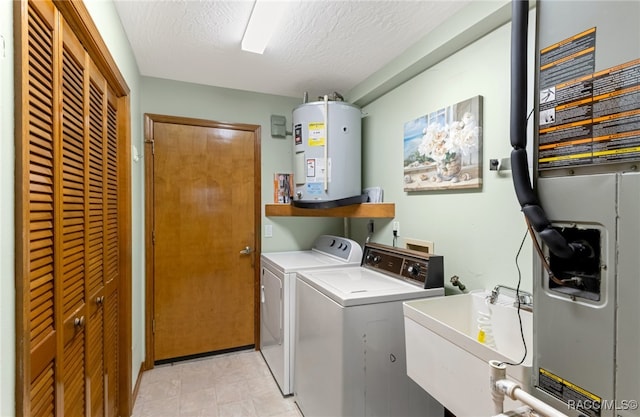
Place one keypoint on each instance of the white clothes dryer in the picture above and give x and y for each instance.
(277, 297)
(350, 348)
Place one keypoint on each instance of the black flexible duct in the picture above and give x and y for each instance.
(527, 198)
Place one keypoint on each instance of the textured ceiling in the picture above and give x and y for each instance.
(320, 46)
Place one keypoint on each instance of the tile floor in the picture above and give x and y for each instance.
(231, 385)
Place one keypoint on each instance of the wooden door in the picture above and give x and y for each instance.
(205, 178)
(71, 219)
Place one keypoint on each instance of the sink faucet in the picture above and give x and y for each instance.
(525, 298)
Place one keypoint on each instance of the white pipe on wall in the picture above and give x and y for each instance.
(500, 386)
(498, 372)
(515, 392)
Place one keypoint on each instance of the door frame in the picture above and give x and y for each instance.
(149, 120)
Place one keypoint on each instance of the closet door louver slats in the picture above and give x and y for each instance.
(95, 363)
(42, 393)
(95, 239)
(42, 328)
(111, 170)
(111, 258)
(73, 225)
(112, 359)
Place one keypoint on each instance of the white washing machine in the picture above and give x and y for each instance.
(350, 352)
(277, 297)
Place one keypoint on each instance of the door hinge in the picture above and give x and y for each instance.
(153, 237)
(153, 146)
(153, 326)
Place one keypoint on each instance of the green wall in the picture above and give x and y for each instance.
(7, 292)
(477, 231)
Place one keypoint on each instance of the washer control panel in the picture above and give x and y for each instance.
(340, 247)
(418, 268)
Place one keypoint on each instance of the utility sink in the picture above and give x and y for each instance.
(446, 359)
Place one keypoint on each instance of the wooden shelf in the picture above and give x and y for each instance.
(364, 210)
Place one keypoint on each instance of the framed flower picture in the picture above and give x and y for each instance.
(443, 149)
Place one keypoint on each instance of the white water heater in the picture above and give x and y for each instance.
(327, 154)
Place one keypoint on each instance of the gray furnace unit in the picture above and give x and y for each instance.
(586, 205)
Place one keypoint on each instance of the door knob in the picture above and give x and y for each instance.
(246, 251)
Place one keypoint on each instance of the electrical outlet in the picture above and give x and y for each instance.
(268, 230)
(396, 227)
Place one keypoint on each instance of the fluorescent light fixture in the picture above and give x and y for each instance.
(264, 19)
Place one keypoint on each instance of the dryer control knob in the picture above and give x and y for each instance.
(373, 259)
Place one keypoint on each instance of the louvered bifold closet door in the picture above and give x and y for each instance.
(111, 257)
(96, 237)
(38, 288)
(73, 201)
(69, 275)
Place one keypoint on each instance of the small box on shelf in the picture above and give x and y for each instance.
(282, 187)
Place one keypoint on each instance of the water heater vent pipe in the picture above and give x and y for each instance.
(326, 142)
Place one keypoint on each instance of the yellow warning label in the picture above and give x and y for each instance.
(566, 157)
(617, 151)
(570, 386)
(316, 134)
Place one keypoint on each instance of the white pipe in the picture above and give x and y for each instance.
(326, 143)
(498, 372)
(515, 392)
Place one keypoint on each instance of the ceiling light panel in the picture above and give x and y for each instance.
(264, 20)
